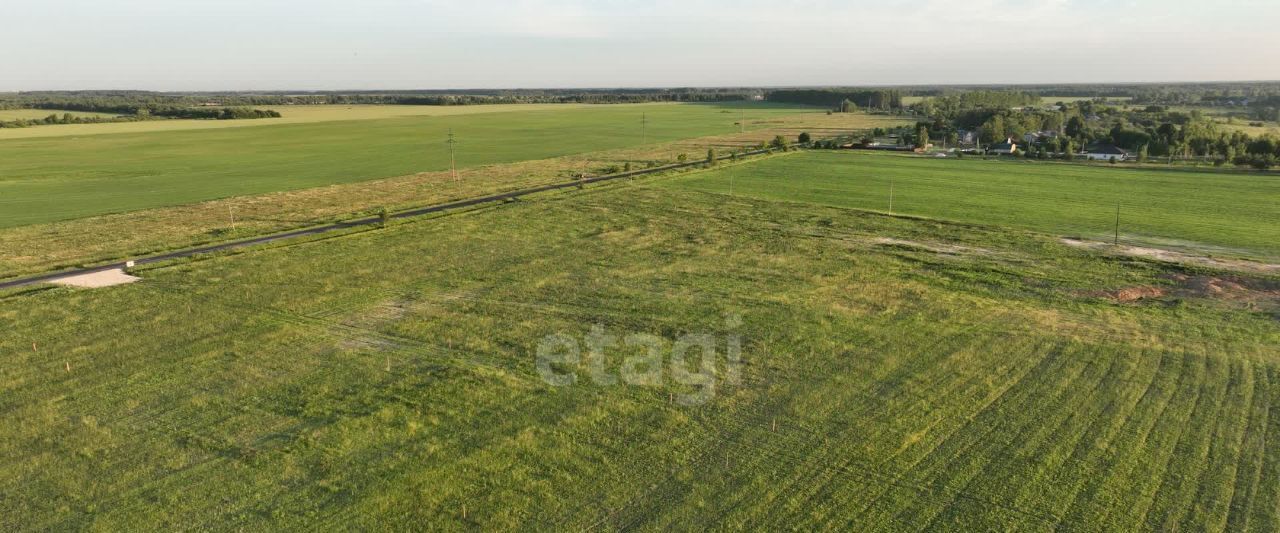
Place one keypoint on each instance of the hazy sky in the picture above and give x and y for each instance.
(425, 44)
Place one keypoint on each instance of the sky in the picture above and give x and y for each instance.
(192, 45)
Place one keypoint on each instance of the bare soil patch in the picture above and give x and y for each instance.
(106, 278)
(1171, 256)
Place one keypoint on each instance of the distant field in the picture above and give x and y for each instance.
(1068, 99)
(303, 114)
(1226, 212)
(60, 178)
(32, 114)
(896, 375)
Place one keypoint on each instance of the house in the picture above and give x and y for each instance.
(967, 137)
(1105, 152)
(1036, 136)
(1005, 148)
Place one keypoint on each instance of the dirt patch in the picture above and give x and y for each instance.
(1171, 256)
(938, 248)
(106, 278)
(1258, 292)
(1131, 294)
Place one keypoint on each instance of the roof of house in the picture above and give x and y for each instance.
(1105, 149)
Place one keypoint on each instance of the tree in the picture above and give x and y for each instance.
(804, 138)
(711, 157)
(1142, 154)
(1075, 127)
(384, 216)
(993, 130)
(847, 106)
(922, 137)
(1069, 151)
(682, 157)
(779, 143)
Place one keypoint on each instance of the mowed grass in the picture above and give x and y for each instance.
(1232, 213)
(51, 179)
(388, 380)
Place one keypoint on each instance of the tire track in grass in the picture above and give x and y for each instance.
(1182, 404)
(1253, 452)
(1097, 452)
(979, 458)
(790, 441)
(1009, 381)
(1172, 495)
(944, 456)
(1125, 477)
(949, 394)
(1205, 454)
(1265, 516)
(950, 445)
(1217, 484)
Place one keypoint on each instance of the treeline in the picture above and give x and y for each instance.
(144, 113)
(840, 99)
(170, 104)
(65, 118)
(974, 103)
(1150, 131)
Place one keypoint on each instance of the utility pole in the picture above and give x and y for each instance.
(453, 167)
(890, 196)
(742, 123)
(1117, 240)
(644, 133)
(231, 211)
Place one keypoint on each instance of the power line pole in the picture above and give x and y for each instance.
(1117, 239)
(644, 133)
(742, 123)
(890, 196)
(453, 166)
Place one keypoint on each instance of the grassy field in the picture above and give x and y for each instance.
(300, 114)
(33, 114)
(1229, 213)
(51, 179)
(49, 246)
(897, 374)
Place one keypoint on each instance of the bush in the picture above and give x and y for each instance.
(804, 138)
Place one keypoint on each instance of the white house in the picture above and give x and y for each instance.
(1105, 152)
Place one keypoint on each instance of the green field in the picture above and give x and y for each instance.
(1233, 213)
(61, 178)
(896, 374)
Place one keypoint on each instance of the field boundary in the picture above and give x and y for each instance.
(36, 279)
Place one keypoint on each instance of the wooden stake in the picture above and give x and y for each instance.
(33, 347)
(68, 366)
